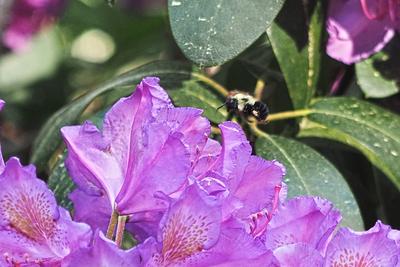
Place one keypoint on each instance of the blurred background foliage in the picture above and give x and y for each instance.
(93, 43)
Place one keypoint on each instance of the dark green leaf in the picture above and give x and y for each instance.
(193, 94)
(296, 44)
(308, 173)
(60, 182)
(370, 129)
(210, 32)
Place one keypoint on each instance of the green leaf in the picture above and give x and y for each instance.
(370, 129)
(297, 48)
(308, 173)
(210, 32)
(21, 69)
(60, 182)
(193, 94)
(378, 75)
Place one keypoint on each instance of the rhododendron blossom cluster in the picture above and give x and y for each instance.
(152, 170)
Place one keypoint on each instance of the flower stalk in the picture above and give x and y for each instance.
(112, 224)
(289, 114)
(120, 230)
(218, 87)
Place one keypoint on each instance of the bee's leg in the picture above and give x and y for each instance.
(230, 115)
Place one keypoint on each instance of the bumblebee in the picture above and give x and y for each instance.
(246, 105)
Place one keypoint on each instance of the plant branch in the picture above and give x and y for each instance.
(218, 87)
(120, 230)
(111, 225)
(289, 114)
(258, 90)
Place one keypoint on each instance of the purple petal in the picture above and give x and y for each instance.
(308, 220)
(395, 235)
(89, 161)
(142, 225)
(298, 255)
(369, 248)
(103, 253)
(92, 210)
(207, 159)
(352, 36)
(188, 121)
(123, 122)
(267, 259)
(32, 227)
(257, 188)
(191, 225)
(234, 245)
(161, 164)
(96, 212)
(136, 155)
(235, 154)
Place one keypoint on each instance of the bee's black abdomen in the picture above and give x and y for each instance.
(247, 109)
(262, 110)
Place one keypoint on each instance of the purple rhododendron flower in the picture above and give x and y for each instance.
(250, 183)
(33, 229)
(194, 202)
(27, 17)
(370, 248)
(192, 233)
(379, 246)
(359, 28)
(308, 220)
(146, 146)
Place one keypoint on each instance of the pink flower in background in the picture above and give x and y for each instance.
(26, 18)
(359, 28)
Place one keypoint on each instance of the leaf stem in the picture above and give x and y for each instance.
(120, 230)
(257, 131)
(218, 87)
(258, 90)
(289, 114)
(215, 130)
(112, 224)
